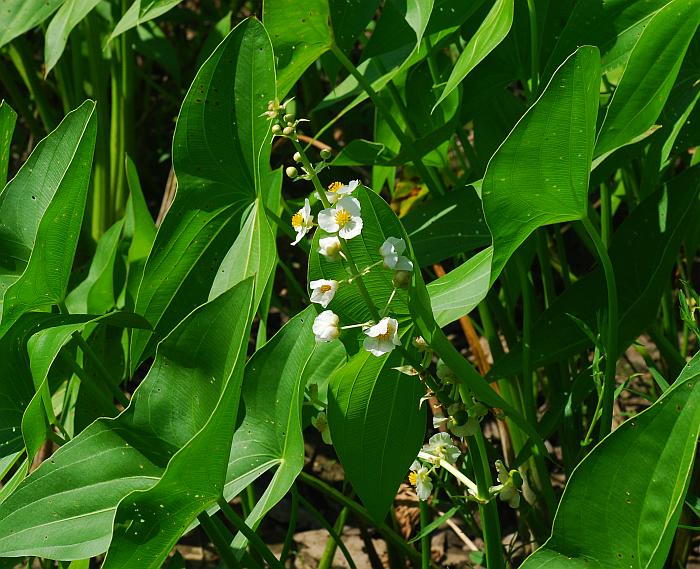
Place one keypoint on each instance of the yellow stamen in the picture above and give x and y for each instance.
(325, 288)
(386, 335)
(342, 217)
(412, 478)
(297, 220)
(334, 187)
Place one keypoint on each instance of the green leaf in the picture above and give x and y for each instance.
(68, 16)
(253, 253)
(621, 505)
(300, 33)
(194, 477)
(460, 290)
(376, 426)
(8, 117)
(611, 25)
(141, 12)
(42, 211)
(649, 75)
(221, 154)
(19, 16)
(270, 435)
(492, 31)
(446, 226)
(539, 175)
(65, 509)
(639, 247)
(16, 394)
(96, 294)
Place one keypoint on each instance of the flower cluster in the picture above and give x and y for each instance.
(438, 451)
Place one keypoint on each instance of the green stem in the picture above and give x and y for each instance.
(545, 266)
(219, 541)
(291, 526)
(534, 50)
(425, 539)
(388, 534)
(385, 111)
(561, 253)
(605, 215)
(18, 100)
(248, 532)
(102, 370)
(490, 524)
(334, 531)
(611, 336)
(527, 384)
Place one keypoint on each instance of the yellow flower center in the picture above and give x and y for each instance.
(334, 187)
(325, 288)
(342, 217)
(412, 478)
(386, 335)
(297, 220)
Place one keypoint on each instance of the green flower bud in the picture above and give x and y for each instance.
(292, 172)
(289, 118)
(297, 157)
(276, 129)
(325, 153)
(460, 417)
(288, 130)
(402, 279)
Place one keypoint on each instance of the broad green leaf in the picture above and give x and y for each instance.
(446, 226)
(376, 425)
(621, 505)
(611, 25)
(494, 28)
(15, 393)
(97, 294)
(140, 12)
(194, 477)
(66, 508)
(539, 175)
(44, 348)
(300, 33)
(270, 435)
(252, 253)
(640, 246)
(649, 75)
(460, 290)
(41, 211)
(7, 127)
(220, 154)
(19, 16)
(68, 16)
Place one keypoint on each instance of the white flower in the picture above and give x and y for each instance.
(343, 219)
(337, 190)
(391, 250)
(320, 421)
(382, 337)
(302, 221)
(325, 326)
(441, 447)
(420, 478)
(329, 247)
(508, 487)
(323, 291)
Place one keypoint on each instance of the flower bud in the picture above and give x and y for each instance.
(325, 153)
(297, 157)
(460, 417)
(402, 279)
(276, 129)
(287, 130)
(289, 117)
(270, 105)
(292, 172)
